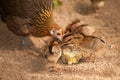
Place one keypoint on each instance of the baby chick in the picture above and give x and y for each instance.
(92, 43)
(97, 4)
(77, 27)
(80, 35)
(79, 43)
(54, 54)
(73, 38)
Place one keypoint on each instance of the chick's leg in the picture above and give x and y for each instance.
(54, 67)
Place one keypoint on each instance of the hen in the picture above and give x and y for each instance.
(30, 17)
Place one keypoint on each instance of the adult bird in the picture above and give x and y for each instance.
(30, 18)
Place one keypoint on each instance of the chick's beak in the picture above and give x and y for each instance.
(60, 38)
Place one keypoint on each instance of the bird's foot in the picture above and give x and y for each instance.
(90, 58)
(23, 44)
(56, 68)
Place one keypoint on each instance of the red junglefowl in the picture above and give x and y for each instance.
(30, 18)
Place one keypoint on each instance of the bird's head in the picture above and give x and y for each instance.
(57, 33)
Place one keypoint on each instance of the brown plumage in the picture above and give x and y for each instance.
(76, 27)
(71, 51)
(85, 46)
(30, 17)
(81, 36)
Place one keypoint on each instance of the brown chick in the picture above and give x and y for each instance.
(97, 4)
(30, 17)
(73, 39)
(70, 26)
(77, 27)
(85, 46)
(81, 35)
(54, 54)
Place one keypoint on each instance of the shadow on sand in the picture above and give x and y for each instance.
(84, 9)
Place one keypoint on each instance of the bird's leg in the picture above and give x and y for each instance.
(23, 42)
(91, 57)
(56, 68)
(53, 67)
(25, 45)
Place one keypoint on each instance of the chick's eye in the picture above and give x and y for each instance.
(58, 33)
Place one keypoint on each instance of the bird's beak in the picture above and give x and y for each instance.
(60, 38)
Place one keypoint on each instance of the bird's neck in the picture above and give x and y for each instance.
(41, 30)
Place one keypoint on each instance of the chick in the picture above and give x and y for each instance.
(97, 4)
(82, 39)
(77, 27)
(54, 54)
(73, 39)
(92, 43)
(70, 27)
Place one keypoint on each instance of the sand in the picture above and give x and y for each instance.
(22, 64)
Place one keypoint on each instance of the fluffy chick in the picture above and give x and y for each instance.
(54, 54)
(76, 27)
(82, 47)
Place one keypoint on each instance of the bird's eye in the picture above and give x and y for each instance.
(58, 33)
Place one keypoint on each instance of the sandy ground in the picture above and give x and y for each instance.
(19, 64)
